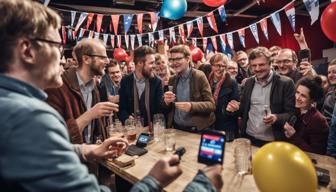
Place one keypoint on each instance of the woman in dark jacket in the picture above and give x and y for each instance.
(310, 131)
(224, 89)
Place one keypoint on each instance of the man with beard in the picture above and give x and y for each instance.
(141, 91)
(78, 99)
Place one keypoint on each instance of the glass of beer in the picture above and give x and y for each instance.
(131, 130)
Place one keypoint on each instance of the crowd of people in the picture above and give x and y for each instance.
(55, 112)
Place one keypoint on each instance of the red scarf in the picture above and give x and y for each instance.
(218, 86)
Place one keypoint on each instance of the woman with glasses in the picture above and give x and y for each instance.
(224, 89)
(308, 129)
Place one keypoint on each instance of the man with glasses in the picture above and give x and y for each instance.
(243, 67)
(78, 99)
(190, 105)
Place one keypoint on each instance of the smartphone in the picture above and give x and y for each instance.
(304, 55)
(142, 140)
(211, 147)
(139, 147)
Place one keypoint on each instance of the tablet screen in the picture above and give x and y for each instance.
(212, 147)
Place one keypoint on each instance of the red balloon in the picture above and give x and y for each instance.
(120, 54)
(328, 21)
(214, 3)
(197, 54)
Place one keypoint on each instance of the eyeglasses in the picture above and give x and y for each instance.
(285, 61)
(171, 60)
(59, 45)
(220, 66)
(99, 56)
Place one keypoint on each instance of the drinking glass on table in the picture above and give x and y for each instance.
(169, 139)
(242, 155)
(159, 125)
(130, 130)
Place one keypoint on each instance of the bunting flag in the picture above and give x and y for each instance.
(139, 19)
(241, 34)
(119, 41)
(275, 18)
(115, 21)
(154, 19)
(200, 25)
(228, 51)
(139, 39)
(112, 40)
(229, 37)
(222, 41)
(73, 16)
(150, 39)
(209, 49)
(181, 32)
(81, 19)
(172, 35)
(64, 35)
(194, 42)
(212, 21)
(205, 41)
(127, 22)
(263, 25)
(290, 12)
(105, 37)
(70, 33)
(81, 34)
(126, 41)
(313, 8)
(214, 42)
(190, 26)
(132, 41)
(99, 22)
(90, 35)
(96, 35)
(222, 13)
(254, 30)
(161, 35)
(89, 20)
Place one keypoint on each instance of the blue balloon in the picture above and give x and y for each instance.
(173, 9)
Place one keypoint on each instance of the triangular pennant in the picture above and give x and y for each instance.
(119, 40)
(132, 41)
(91, 34)
(112, 40)
(105, 37)
(81, 34)
(214, 42)
(150, 39)
(190, 26)
(200, 25)
(115, 21)
(127, 22)
(161, 35)
(64, 36)
(313, 9)
(154, 19)
(209, 49)
(222, 13)
(181, 32)
(126, 40)
(275, 18)
(172, 35)
(89, 20)
(222, 41)
(194, 42)
(99, 22)
(69, 33)
(73, 16)
(241, 34)
(229, 37)
(290, 12)
(212, 21)
(81, 19)
(263, 25)
(254, 30)
(139, 36)
(139, 21)
(205, 41)
(96, 35)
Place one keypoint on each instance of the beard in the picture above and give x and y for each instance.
(147, 74)
(95, 69)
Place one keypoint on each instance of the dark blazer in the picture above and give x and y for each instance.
(282, 103)
(126, 103)
(228, 92)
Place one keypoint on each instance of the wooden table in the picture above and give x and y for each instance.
(189, 165)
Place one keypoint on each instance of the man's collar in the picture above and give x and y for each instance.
(186, 74)
(268, 81)
(139, 80)
(81, 83)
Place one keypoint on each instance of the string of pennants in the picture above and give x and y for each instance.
(115, 40)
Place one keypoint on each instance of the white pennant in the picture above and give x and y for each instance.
(105, 37)
(139, 36)
(275, 18)
(150, 39)
(119, 40)
(126, 40)
(96, 35)
(313, 8)
(81, 19)
(222, 40)
(189, 27)
(132, 41)
(230, 40)
(254, 31)
(161, 35)
(172, 34)
(73, 16)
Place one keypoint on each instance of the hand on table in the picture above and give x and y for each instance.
(110, 148)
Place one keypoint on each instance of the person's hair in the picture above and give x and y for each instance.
(219, 57)
(332, 62)
(85, 47)
(181, 49)
(238, 53)
(260, 52)
(22, 19)
(159, 56)
(294, 56)
(113, 63)
(314, 84)
(275, 48)
(141, 52)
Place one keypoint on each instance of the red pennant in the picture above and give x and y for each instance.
(115, 21)
(214, 42)
(212, 21)
(205, 41)
(139, 18)
(89, 20)
(64, 35)
(153, 17)
(189, 28)
(99, 22)
(182, 34)
(200, 25)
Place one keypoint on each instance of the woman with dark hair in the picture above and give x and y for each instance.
(310, 131)
(224, 89)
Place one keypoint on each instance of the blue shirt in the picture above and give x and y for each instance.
(36, 153)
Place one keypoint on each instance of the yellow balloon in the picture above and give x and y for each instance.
(283, 167)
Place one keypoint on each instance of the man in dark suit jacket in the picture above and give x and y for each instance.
(141, 91)
(267, 101)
